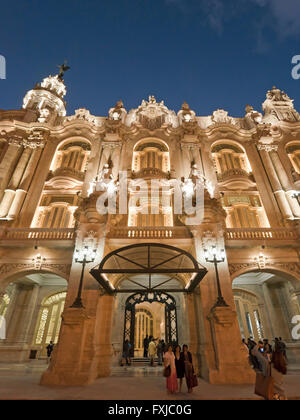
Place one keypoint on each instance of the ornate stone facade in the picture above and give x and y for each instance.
(57, 169)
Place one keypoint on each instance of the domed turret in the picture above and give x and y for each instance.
(47, 98)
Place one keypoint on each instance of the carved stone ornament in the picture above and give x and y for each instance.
(84, 115)
(220, 116)
(10, 267)
(279, 107)
(118, 112)
(292, 267)
(252, 117)
(267, 147)
(152, 115)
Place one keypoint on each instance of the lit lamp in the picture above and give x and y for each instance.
(215, 257)
(83, 256)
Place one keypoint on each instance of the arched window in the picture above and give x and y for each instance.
(244, 211)
(143, 326)
(49, 321)
(249, 316)
(72, 155)
(56, 212)
(150, 161)
(151, 154)
(4, 303)
(293, 151)
(229, 157)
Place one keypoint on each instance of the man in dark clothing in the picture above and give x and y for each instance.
(163, 346)
(282, 347)
(159, 349)
(146, 345)
(49, 348)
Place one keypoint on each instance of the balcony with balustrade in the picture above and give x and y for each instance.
(32, 236)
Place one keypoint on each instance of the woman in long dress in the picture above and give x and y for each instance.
(179, 363)
(188, 367)
(169, 360)
(278, 370)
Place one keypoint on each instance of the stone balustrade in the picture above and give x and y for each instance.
(37, 234)
(150, 232)
(68, 172)
(175, 232)
(261, 234)
(233, 173)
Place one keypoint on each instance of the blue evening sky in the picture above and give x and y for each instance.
(210, 53)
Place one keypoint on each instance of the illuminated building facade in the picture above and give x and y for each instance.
(150, 273)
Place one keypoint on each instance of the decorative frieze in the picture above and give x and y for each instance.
(11, 267)
(293, 267)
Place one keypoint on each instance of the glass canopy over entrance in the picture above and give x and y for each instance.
(149, 267)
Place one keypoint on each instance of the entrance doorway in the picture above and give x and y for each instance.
(153, 314)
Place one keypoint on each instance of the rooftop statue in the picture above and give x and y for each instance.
(62, 69)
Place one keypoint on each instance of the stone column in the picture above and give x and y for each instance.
(276, 185)
(16, 204)
(103, 329)
(20, 168)
(116, 160)
(186, 159)
(6, 202)
(27, 315)
(7, 164)
(264, 187)
(285, 182)
(276, 324)
(224, 357)
(85, 332)
(66, 365)
(36, 186)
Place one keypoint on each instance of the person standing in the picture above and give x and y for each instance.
(169, 361)
(160, 352)
(163, 345)
(278, 370)
(188, 368)
(245, 344)
(267, 349)
(146, 345)
(179, 363)
(283, 347)
(126, 352)
(49, 349)
(152, 351)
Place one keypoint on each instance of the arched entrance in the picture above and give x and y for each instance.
(266, 303)
(151, 273)
(32, 305)
(132, 331)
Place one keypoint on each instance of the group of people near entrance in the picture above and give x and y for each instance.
(152, 347)
(178, 365)
(270, 364)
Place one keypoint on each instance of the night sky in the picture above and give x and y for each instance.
(210, 53)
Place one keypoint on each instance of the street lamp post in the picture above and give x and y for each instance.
(83, 256)
(213, 257)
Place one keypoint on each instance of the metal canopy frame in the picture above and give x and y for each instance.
(151, 268)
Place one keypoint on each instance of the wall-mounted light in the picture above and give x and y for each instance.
(38, 261)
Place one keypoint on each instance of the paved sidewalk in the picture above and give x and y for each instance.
(17, 384)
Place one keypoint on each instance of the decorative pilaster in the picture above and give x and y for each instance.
(278, 190)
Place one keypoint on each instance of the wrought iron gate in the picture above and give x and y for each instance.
(171, 330)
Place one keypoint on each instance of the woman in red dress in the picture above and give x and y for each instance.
(169, 360)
